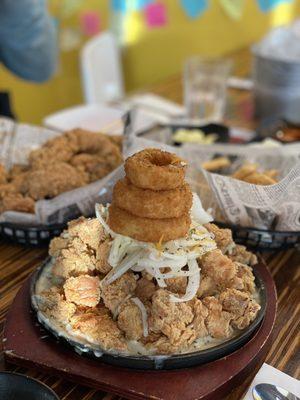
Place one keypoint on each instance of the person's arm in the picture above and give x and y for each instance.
(27, 39)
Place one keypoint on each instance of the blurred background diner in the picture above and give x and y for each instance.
(133, 44)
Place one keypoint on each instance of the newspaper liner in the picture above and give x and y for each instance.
(237, 202)
(16, 142)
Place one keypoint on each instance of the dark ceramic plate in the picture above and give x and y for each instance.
(159, 362)
(16, 387)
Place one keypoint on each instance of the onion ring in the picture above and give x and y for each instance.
(146, 229)
(150, 203)
(155, 169)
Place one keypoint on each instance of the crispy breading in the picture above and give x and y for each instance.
(223, 237)
(145, 289)
(55, 307)
(207, 287)
(97, 325)
(246, 274)
(17, 202)
(89, 230)
(83, 290)
(74, 260)
(177, 285)
(172, 319)
(242, 255)
(3, 175)
(200, 314)
(240, 305)
(102, 253)
(130, 320)
(219, 267)
(57, 244)
(218, 321)
(17, 169)
(114, 294)
(53, 180)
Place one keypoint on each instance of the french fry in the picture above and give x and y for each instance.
(258, 178)
(216, 164)
(245, 170)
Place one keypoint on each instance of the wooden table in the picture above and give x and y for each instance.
(17, 262)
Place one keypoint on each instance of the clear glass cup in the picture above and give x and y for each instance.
(204, 82)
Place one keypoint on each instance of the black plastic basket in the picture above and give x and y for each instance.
(261, 239)
(38, 235)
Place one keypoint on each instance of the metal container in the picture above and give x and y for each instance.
(276, 87)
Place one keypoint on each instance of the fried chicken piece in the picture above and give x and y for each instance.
(97, 325)
(207, 287)
(6, 189)
(145, 289)
(200, 314)
(218, 267)
(57, 244)
(3, 175)
(117, 139)
(53, 180)
(241, 306)
(17, 202)
(114, 294)
(89, 230)
(246, 274)
(242, 255)
(218, 321)
(223, 238)
(21, 182)
(83, 290)
(17, 169)
(172, 319)
(52, 303)
(92, 142)
(102, 253)
(177, 285)
(94, 165)
(130, 320)
(74, 260)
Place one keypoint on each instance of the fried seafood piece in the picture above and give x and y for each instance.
(17, 202)
(98, 327)
(115, 294)
(53, 180)
(84, 290)
(223, 238)
(217, 321)
(145, 289)
(74, 260)
(241, 306)
(242, 255)
(130, 320)
(3, 174)
(89, 230)
(102, 253)
(172, 319)
(53, 304)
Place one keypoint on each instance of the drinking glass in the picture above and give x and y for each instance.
(205, 88)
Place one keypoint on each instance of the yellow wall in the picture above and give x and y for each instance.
(148, 55)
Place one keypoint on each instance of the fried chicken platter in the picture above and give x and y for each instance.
(151, 275)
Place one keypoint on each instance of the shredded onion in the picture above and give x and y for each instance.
(98, 211)
(192, 286)
(141, 306)
(197, 211)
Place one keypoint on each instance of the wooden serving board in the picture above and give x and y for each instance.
(28, 345)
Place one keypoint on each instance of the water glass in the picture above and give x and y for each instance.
(205, 88)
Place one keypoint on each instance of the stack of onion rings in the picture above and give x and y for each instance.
(153, 202)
